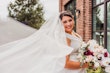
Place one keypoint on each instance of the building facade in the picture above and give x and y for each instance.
(93, 19)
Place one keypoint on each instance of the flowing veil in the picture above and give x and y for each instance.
(42, 52)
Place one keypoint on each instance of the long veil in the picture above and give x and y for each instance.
(42, 52)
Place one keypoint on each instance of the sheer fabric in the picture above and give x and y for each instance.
(42, 52)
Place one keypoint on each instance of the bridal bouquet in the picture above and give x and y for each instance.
(96, 55)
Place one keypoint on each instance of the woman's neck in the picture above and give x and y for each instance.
(70, 32)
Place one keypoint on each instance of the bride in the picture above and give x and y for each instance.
(52, 49)
(73, 40)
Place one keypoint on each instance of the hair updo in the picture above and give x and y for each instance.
(66, 13)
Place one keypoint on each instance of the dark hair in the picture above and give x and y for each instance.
(66, 13)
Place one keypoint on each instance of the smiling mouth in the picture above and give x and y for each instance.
(68, 27)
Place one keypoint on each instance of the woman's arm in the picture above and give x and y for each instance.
(72, 64)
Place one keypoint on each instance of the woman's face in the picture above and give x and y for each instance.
(68, 23)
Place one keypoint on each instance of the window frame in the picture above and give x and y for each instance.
(105, 19)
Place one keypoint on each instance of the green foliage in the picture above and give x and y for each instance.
(97, 70)
(29, 12)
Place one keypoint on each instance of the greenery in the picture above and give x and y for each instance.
(29, 12)
(97, 70)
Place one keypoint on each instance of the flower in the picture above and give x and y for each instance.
(88, 52)
(83, 45)
(105, 54)
(105, 62)
(107, 69)
(97, 56)
(96, 64)
(100, 56)
(89, 58)
(104, 50)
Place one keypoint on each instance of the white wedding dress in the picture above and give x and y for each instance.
(76, 42)
(43, 52)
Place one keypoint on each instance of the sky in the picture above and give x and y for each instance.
(50, 7)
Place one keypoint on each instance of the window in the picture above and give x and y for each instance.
(96, 2)
(108, 26)
(98, 24)
(71, 6)
(101, 22)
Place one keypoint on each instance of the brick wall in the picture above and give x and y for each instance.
(84, 22)
(80, 21)
(88, 19)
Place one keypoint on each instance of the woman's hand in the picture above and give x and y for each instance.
(85, 65)
(74, 65)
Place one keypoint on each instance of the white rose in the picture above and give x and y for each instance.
(107, 69)
(104, 50)
(89, 58)
(100, 56)
(96, 64)
(105, 61)
(83, 45)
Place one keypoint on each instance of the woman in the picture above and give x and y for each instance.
(74, 40)
(45, 51)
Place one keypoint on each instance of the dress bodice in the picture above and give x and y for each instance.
(75, 41)
(75, 44)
